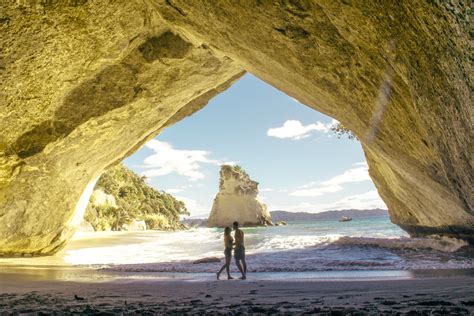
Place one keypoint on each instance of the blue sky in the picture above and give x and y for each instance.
(284, 145)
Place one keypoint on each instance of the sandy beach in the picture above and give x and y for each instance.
(71, 291)
(330, 279)
(317, 151)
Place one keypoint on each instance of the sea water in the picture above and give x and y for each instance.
(371, 243)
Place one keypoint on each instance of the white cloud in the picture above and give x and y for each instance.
(230, 163)
(167, 159)
(266, 190)
(358, 174)
(367, 200)
(193, 206)
(308, 185)
(317, 191)
(293, 129)
(173, 191)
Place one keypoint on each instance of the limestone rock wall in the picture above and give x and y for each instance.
(394, 72)
(84, 84)
(82, 87)
(237, 200)
(100, 198)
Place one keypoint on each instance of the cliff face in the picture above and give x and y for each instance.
(82, 87)
(237, 200)
(85, 84)
(396, 73)
(121, 200)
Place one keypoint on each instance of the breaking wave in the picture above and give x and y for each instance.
(362, 244)
(440, 243)
(335, 253)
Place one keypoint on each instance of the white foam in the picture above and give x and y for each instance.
(316, 247)
(147, 247)
(313, 259)
(282, 242)
(440, 243)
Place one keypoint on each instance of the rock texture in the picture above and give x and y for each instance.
(135, 226)
(83, 86)
(396, 73)
(86, 83)
(100, 198)
(237, 200)
(85, 226)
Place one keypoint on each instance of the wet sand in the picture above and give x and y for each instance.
(67, 291)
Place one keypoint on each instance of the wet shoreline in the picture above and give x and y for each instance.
(33, 290)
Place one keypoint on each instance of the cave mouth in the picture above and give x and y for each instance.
(317, 164)
(85, 84)
(146, 70)
(80, 118)
(300, 162)
(272, 136)
(296, 156)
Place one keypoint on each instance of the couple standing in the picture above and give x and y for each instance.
(239, 251)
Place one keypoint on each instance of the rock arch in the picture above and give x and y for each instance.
(85, 84)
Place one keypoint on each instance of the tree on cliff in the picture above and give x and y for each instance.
(340, 130)
(135, 200)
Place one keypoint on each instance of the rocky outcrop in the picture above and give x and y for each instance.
(122, 200)
(84, 84)
(135, 225)
(237, 200)
(100, 198)
(396, 73)
(85, 226)
(207, 260)
(194, 222)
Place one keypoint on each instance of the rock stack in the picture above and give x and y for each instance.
(237, 200)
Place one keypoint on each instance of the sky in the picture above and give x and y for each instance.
(287, 147)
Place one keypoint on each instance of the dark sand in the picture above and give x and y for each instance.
(72, 291)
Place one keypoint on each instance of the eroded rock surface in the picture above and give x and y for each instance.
(85, 84)
(237, 200)
(82, 87)
(394, 72)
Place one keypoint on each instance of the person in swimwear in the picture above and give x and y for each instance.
(228, 242)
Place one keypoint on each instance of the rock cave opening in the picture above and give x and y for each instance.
(133, 132)
(107, 79)
(301, 160)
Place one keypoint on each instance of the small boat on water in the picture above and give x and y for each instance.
(345, 219)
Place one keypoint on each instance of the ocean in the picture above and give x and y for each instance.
(371, 243)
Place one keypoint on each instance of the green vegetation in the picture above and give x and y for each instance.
(134, 200)
(240, 170)
(340, 130)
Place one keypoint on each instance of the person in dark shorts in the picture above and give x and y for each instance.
(239, 251)
(228, 242)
